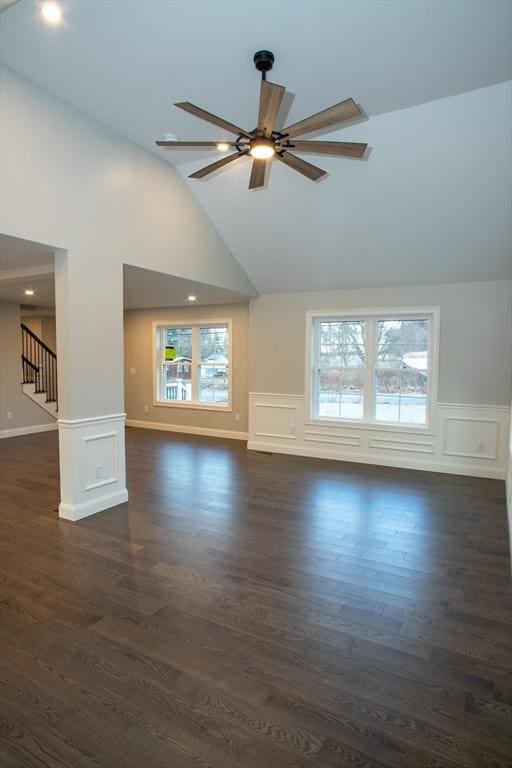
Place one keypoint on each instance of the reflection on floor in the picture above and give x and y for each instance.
(253, 610)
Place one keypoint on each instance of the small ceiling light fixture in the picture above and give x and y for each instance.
(222, 146)
(262, 149)
(51, 13)
(191, 298)
(29, 292)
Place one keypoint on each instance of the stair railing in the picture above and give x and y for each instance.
(39, 364)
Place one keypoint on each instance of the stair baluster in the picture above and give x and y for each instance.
(39, 365)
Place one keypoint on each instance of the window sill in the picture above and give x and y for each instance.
(193, 405)
(375, 426)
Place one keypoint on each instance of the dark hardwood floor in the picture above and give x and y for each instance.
(247, 610)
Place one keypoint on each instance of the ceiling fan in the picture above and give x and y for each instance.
(264, 142)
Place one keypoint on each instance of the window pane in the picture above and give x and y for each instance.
(415, 335)
(342, 343)
(413, 397)
(402, 336)
(401, 396)
(329, 383)
(402, 348)
(387, 397)
(331, 332)
(214, 344)
(415, 358)
(181, 340)
(351, 394)
(389, 356)
(176, 381)
(330, 356)
(340, 393)
(213, 384)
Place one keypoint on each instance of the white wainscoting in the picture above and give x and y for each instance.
(464, 439)
(92, 465)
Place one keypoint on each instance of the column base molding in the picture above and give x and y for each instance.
(86, 508)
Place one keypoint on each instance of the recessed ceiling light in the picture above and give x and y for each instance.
(222, 146)
(28, 292)
(192, 298)
(51, 13)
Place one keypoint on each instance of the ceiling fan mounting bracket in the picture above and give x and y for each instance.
(263, 61)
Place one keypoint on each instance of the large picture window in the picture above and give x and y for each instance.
(373, 367)
(193, 364)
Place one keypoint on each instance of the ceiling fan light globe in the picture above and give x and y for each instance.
(262, 149)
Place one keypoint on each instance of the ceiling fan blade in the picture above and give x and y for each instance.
(204, 115)
(271, 96)
(185, 144)
(258, 174)
(343, 148)
(300, 165)
(345, 110)
(202, 172)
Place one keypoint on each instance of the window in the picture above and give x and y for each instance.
(373, 367)
(193, 365)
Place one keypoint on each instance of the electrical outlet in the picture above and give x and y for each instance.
(98, 472)
(481, 447)
(237, 417)
(146, 409)
(291, 429)
(9, 414)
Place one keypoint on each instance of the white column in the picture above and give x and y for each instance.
(89, 314)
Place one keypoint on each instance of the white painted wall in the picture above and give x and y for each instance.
(469, 430)
(25, 414)
(475, 356)
(76, 185)
(70, 183)
(139, 392)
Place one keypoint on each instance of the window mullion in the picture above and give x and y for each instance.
(195, 363)
(314, 367)
(369, 380)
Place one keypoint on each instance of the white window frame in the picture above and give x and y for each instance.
(158, 353)
(313, 319)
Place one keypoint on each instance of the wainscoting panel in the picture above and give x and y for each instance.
(463, 439)
(97, 477)
(470, 437)
(276, 420)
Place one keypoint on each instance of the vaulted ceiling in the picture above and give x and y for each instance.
(432, 201)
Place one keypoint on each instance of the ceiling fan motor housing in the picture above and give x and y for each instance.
(263, 61)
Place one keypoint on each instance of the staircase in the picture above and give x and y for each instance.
(39, 366)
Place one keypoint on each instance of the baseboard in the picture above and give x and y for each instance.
(87, 508)
(204, 431)
(359, 458)
(18, 431)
